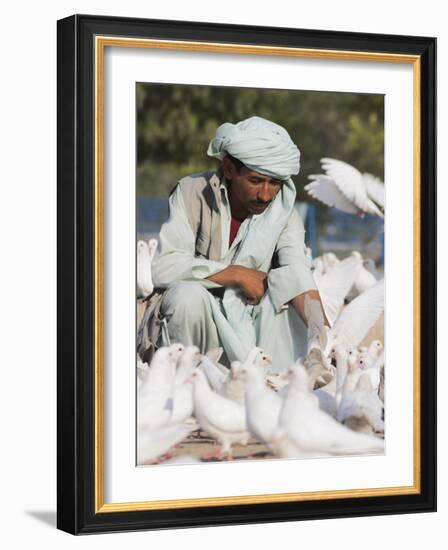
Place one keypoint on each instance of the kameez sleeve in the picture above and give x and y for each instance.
(294, 276)
(176, 260)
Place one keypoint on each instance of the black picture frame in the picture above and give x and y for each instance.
(77, 509)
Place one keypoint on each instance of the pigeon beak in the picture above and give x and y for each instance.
(190, 379)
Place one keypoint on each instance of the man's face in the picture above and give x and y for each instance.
(250, 192)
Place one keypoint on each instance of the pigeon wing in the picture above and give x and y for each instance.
(335, 285)
(375, 188)
(359, 316)
(153, 443)
(350, 182)
(214, 354)
(324, 189)
(225, 415)
(214, 374)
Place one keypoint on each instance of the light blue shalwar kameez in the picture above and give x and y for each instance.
(192, 314)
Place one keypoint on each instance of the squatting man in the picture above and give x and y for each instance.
(232, 269)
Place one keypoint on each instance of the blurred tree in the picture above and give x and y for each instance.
(176, 122)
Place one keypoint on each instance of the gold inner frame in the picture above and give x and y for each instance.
(101, 42)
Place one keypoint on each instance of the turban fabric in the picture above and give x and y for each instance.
(259, 144)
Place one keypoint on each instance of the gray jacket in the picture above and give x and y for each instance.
(202, 198)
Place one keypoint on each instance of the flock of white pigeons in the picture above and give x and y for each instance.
(329, 403)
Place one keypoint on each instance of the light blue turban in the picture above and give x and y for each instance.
(259, 144)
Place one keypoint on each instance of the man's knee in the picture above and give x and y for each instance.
(185, 298)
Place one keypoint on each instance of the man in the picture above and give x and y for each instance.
(232, 269)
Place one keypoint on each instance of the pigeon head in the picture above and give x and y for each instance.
(176, 349)
(366, 359)
(193, 376)
(299, 377)
(152, 244)
(377, 345)
(332, 258)
(262, 359)
(336, 350)
(196, 375)
(164, 354)
(257, 356)
(190, 354)
(187, 361)
(142, 247)
(362, 362)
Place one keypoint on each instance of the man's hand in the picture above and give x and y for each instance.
(252, 283)
(299, 305)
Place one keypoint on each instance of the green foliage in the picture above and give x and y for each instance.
(176, 122)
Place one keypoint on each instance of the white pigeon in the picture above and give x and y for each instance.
(152, 247)
(330, 260)
(365, 360)
(364, 279)
(155, 394)
(345, 188)
(327, 398)
(216, 373)
(375, 189)
(233, 387)
(145, 285)
(375, 348)
(313, 431)
(215, 355)
(152, 443)
(183, 388)
(262, 404)
(352, 376)
(379, 363)
(258, 357)
(187, 361)
(335, 285)
(142, 371)
(361, 410)
(283, 447)
(358, 317)
(330, 396)
(319, 368)
(371, 368)
(222, 418)
(323, 264)
(318, 266)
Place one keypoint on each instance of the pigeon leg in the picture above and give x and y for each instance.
(166, 456)
(152, 461)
